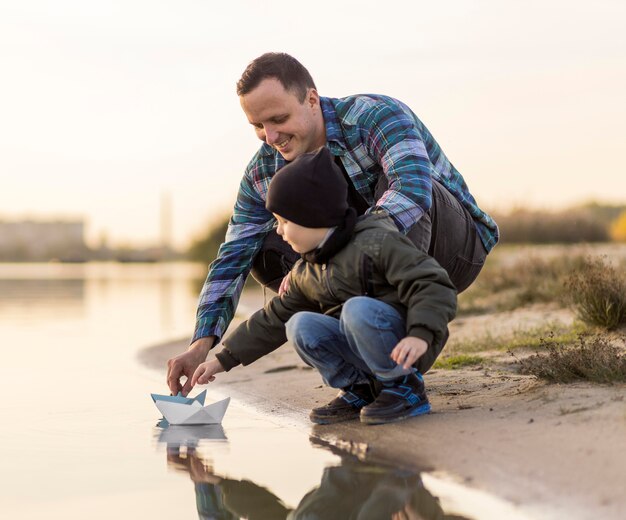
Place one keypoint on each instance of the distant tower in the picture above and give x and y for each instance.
(166, 221)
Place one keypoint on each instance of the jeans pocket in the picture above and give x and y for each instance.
(463, 272)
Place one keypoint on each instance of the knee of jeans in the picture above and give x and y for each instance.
(355, 311)
(294, 325)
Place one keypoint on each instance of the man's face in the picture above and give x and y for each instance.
(282, 121)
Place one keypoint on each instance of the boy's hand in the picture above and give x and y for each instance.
(408, 351)
(205, 373)
(284, 285)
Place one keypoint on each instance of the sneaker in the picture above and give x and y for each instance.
(399, 399)
(346, 406)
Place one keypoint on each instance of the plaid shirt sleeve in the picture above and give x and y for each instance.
(379, 130)
(393, 140)
(247, 229)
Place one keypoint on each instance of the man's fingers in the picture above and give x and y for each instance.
(174, 385)
(187, 387)
(173, 376)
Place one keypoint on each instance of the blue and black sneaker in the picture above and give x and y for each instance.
(347, 405)
(399, 399)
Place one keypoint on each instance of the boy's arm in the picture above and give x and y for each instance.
(264, 331)
(423, 286)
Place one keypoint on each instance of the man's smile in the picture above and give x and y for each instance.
(282, 144)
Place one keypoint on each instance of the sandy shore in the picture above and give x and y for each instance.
(559, 451)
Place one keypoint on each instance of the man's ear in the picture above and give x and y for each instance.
(312, 97)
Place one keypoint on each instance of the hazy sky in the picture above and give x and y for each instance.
(105, 105)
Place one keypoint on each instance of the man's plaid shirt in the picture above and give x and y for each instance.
(374, 135)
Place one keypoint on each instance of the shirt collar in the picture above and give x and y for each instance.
(334, 136)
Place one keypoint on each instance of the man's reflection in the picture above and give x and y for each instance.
(353, 490)
(222, 498)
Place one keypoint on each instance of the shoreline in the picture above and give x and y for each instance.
(553, 450)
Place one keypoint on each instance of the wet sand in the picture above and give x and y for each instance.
(558, 451)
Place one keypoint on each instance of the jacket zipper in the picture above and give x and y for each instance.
(327, 281)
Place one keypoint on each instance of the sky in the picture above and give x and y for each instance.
(107, 105)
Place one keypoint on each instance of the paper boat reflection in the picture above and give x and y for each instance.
(185, 410)
(181, 435)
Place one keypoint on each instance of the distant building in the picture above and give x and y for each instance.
(31, 240)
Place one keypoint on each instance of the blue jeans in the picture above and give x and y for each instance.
(348, 350)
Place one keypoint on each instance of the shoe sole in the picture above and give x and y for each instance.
(420, 410)
(333, 420)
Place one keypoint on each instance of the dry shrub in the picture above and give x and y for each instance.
(593, 358)
(544, 227)
(598, 292)
(531, 280)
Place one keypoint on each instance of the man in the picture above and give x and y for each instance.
(391, 161)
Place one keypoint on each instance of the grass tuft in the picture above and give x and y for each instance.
(598, 292)
(593, 358)
(459, 361)
(519, 339)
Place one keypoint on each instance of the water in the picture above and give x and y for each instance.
(79, 435)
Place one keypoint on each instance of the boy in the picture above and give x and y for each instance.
(364, 306)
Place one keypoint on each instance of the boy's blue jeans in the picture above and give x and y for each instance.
(348, 349)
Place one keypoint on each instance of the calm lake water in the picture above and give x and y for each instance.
(79, 435)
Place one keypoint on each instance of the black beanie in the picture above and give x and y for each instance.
(310, 191)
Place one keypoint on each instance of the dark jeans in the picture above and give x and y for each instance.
(447, 233)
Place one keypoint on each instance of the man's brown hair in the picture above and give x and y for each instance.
(292, 75)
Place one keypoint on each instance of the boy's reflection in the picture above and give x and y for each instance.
(353, 490)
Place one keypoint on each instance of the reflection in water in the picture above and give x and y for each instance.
(36, 294)
(188, 436)
(350, 490)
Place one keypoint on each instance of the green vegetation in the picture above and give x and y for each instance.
(598, 292)
(521, 339)
(593, 358)
(459, 361)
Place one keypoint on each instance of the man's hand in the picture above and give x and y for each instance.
(205, 373)
(408, 351)
(284, 285)
(186, 363)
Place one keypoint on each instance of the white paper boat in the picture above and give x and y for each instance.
(178, 398)
(180, 410)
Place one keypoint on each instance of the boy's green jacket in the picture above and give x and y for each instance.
(379, 262)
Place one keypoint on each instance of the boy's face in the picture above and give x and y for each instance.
(279, 118)
(301, 239)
